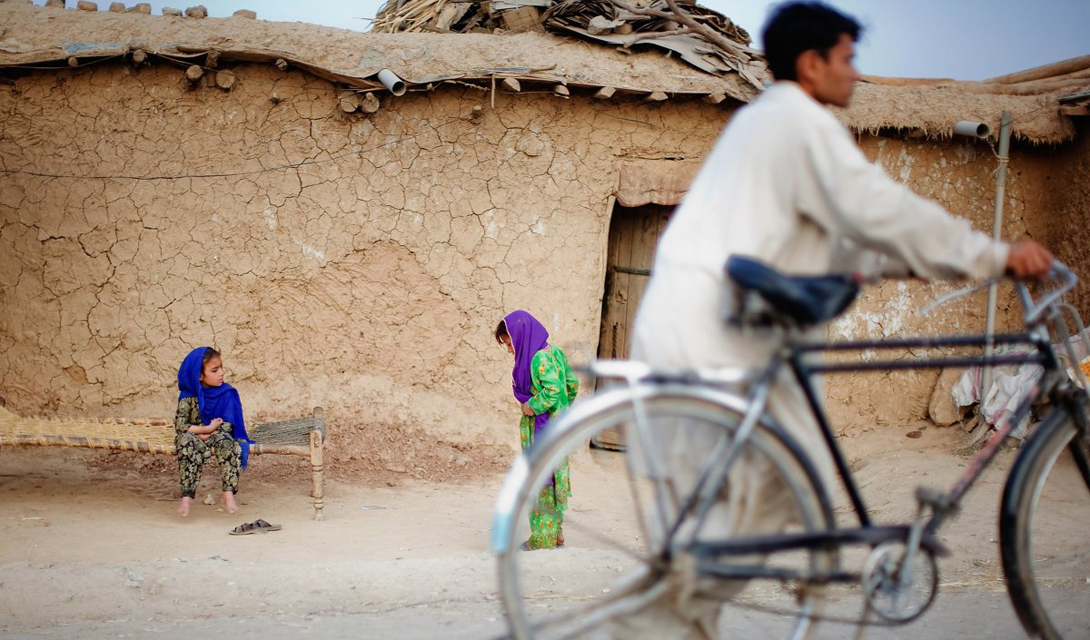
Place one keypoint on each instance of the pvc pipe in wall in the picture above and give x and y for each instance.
(390, 80)
(972, 129)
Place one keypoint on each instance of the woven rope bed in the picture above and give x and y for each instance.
(300, 437)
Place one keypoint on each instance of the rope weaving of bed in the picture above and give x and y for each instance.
(299, 437)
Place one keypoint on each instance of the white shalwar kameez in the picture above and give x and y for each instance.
(785, 184)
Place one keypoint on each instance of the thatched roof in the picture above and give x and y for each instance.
(32, 36)
(704, 38)
(38, 36)
(1036, 99)
(932, 109)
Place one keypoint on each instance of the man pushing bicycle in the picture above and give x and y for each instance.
(787, 185)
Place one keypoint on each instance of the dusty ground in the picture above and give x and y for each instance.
(95, 553)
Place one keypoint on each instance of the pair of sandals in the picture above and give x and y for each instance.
(257, 526)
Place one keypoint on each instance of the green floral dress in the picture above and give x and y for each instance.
(194, 452)
(554, 386)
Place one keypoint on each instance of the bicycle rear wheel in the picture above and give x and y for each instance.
(1045, 532)
(614, 565)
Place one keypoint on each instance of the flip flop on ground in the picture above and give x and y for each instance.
(257, 526)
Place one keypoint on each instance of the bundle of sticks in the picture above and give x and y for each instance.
(595, 15)
(435, 15)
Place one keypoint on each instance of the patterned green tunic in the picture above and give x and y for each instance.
(554, 386)
(194, 452)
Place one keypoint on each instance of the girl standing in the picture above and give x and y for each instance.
(208, 422)
(544, 384)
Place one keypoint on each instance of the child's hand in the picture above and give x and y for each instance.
(216, 422)
(527, 411)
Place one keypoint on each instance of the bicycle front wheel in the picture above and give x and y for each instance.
(615, 566)
(1045, 532)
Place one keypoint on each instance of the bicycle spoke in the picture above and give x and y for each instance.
(604, 546)
(1046, 568)
(602, 611)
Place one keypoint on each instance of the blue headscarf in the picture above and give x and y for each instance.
(214, 402)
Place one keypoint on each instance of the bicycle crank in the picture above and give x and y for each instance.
(896, 590)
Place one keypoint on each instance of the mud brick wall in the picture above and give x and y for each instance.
(359, 262)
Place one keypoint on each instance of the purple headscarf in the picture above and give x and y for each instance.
(528, 336)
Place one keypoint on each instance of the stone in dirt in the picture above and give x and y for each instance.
(140, 7)
(117, 7)
(171, 11)
(197, 12)
(942, 410)
(84, 5)
(245, 13)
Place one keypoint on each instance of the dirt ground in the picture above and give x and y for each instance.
(99, 553)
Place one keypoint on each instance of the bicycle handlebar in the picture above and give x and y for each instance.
(1033, 311)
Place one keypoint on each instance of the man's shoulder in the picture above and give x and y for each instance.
(789, 106)
(785, 120)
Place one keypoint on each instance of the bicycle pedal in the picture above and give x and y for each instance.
(937, 500)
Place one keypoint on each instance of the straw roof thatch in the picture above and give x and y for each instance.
(35, 37)
(701, 37)
(933, 109)
(1036, 98)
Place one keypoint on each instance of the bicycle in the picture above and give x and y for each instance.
(799, 560)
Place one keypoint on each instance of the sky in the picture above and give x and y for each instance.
(960, 39)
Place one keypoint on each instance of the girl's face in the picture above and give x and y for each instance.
(507, 343)
(212, 373)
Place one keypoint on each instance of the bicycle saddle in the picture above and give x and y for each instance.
(805, 300)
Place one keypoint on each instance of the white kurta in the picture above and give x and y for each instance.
(785, 184)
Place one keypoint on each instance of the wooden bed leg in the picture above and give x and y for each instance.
(316, 467)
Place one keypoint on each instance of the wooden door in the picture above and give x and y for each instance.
(633, 236)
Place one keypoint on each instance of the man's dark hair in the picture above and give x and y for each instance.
(797, 27)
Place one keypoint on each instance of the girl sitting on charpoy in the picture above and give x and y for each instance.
(208, 422)
(544, 384)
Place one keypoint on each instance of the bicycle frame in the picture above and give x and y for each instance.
(1042, 354)
(1052, 383)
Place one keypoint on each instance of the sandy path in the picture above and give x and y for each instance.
(93, 554)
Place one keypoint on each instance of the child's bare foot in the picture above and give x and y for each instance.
(228, 501)
(183, 508)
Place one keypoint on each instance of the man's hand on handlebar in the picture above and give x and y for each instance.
(1028, 260)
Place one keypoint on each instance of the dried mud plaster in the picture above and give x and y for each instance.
(353, 261)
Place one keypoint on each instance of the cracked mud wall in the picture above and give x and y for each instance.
(1062, 212)
(357, 263)
(361, 263)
